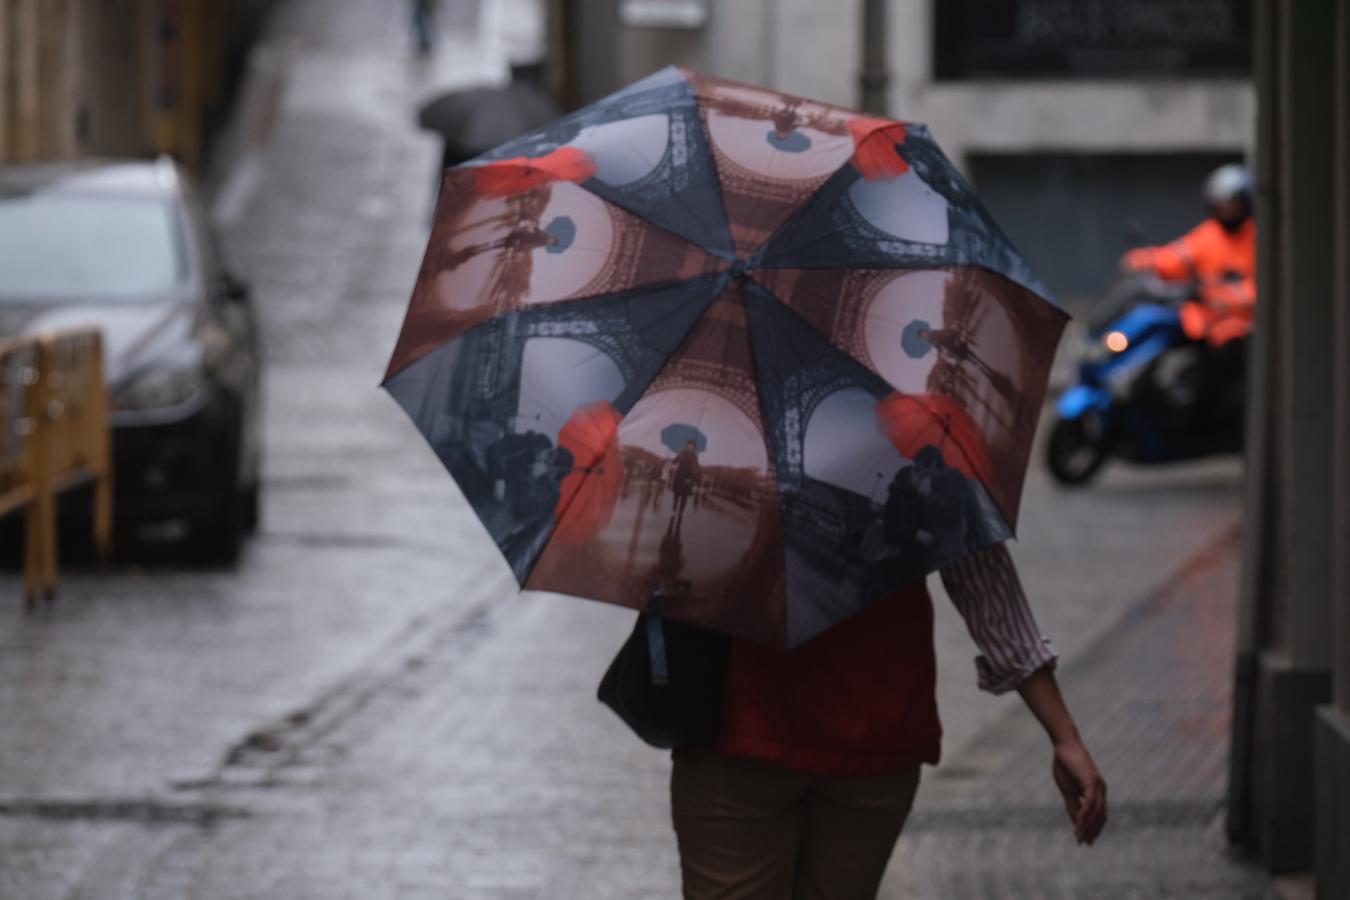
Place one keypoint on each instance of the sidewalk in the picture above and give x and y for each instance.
(422, 777)
(421, 782)
(1153, 702)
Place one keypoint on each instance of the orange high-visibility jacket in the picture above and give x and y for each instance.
(1223, 264)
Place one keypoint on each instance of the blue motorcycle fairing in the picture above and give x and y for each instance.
(1150, 329)
(1080, 399)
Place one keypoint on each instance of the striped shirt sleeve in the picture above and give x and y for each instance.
(985, 589)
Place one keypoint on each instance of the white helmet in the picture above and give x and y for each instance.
(1230, 182)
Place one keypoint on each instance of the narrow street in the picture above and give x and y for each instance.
(366, 708)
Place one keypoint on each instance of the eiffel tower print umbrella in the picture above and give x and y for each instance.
(853, 351)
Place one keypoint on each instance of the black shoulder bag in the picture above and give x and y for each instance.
(667, 682)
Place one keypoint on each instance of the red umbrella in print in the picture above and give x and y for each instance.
(915, 421)
(813, 297)
(591, 489)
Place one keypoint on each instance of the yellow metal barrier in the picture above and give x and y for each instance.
(18, 405)
(54, 412)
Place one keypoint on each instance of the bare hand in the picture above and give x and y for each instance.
(1083, 788)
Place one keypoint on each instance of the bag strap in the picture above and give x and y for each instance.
(656, 640)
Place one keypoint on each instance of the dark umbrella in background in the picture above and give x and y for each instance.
(677, 435)
(474, 121)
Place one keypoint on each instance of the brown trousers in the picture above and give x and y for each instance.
(750, 830)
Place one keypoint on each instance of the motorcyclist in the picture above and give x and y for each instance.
(1219, 256)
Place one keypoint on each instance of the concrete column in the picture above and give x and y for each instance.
(1261, 527)
(1341, 155)
(1294, 676)
(1333, 725)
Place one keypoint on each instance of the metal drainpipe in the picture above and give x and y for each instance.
(873, 78)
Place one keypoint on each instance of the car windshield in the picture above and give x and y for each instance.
(56, 246)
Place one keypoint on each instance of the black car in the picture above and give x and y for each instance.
(125, 247)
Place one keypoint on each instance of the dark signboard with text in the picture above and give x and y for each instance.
(1092, 38)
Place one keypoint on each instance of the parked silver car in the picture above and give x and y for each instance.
(125, 247)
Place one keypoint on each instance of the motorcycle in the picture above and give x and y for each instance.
(1138, 388)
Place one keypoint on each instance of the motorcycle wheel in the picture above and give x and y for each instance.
(1073, 455)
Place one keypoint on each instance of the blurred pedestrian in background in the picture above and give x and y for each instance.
(424, 25)
(686, 475)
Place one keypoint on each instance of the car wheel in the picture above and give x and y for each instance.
(219, 538)
(1074, 454)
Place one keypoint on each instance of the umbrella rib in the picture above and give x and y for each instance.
(712, 160)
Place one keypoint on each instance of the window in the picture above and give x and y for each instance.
(56, 247)
(1091, 38)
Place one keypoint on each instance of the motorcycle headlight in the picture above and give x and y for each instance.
(159, 388)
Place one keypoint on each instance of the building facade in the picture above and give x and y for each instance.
(1085, 126)
(118, 77)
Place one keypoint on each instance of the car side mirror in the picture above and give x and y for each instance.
(233, 289)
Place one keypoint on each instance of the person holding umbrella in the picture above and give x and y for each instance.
(684, 480)
(804, 791)
(864, 355)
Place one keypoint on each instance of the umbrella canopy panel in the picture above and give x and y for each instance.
(760, 357)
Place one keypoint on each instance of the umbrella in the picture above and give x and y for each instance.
(591, 489)
(678, 435)
(474, 121)
(864, 351)
(915, 421)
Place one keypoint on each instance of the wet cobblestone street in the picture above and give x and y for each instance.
(366, 708)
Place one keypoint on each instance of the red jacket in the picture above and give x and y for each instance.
(1224, 265)
(860, 699)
